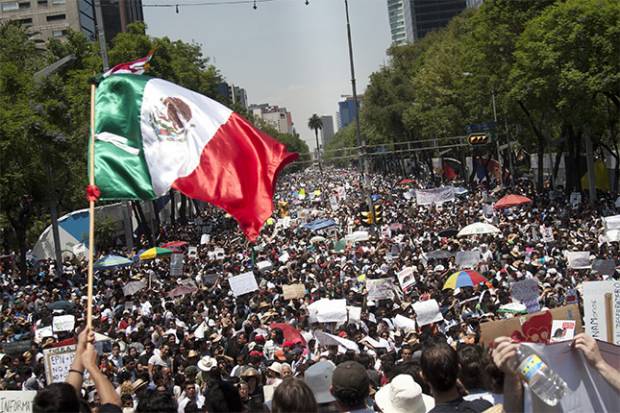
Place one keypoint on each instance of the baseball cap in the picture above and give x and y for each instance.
(319, 378)
(350, 378)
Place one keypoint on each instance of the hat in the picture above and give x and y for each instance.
(207, 363)
(249, 372)
(192, 353)
(351, 377)
(138, 384)
(319, 378)
(404, 395)
(279, 355)
(276, 367)
(439, 268)
(259, 339)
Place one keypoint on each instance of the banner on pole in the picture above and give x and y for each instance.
(434, 196)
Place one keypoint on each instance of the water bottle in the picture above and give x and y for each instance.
(541, 379)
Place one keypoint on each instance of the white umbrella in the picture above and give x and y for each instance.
(478, 228)
(317, 239)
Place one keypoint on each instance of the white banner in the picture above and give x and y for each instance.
(328, 311)
(601, 308)
(243, 283)
(578, 260)
(427, 312)
(434, 196)
(16, 401)
(63, 323)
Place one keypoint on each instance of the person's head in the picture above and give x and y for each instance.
(190, 390)
(406, 353)
(286, 370)
(165, 351)
(56, 397)
(440, 367)
(157, 401)
(244, 390)
(293, 395)
(350, 385)
(472, 372)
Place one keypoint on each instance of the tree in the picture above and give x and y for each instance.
(315, 123)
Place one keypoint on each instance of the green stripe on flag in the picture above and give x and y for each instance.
(121, 171)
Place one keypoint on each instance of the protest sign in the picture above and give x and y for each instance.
(589, 390)
(612, 228)
(176, 265)
(343, 344)
(328, 311)
(547, 234)
(575, 199)
(16, 401)
(209, 279)
(133, 287)
(468, 259)
(601, 307)
(605, 267)
(57, 362)
(62, 323)
(427, 312)
(243, 283)
(562, 330)
(404, 323)
(381, 289)
(578, 260)
(406, 278)
(527, 291)
(434, 195)
(264, 265)
(16, 347)
(358, 236)
(293, 291)
(43, 332)
(192, 252)
(355, 313)
(493, 329)
(204, 239)
(218, 253)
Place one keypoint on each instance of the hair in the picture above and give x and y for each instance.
(440, 366)
(413, 369)
(56, 397)
(154, 401)
(293, 395)
(472, 372)
(223, 397)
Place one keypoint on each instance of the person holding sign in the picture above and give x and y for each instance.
(65, 397)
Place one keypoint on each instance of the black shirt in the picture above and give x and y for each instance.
(462, 405)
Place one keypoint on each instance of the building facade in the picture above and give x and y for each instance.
(47, 19)
(347, 110)
(276, 116)
(327, 131)
(413, 19)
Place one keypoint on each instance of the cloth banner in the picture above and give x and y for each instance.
(293, 291)
(434, 196)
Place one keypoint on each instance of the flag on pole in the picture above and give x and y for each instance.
(152, 135)
(137, 67)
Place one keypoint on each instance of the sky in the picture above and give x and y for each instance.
(284, 53)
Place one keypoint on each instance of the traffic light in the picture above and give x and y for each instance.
(367, 218)
(479, 138)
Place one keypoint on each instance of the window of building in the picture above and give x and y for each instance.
(24, 5)
(55, 17)
(59, 33)
(10, 6)
(42, 3)
(25, 22)
(56, 2)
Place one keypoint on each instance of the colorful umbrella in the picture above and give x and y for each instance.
(511, 200)
(467, 278)
(155, 252)
(406, 181)
(174, 244)
(111, 261)
(478, 228)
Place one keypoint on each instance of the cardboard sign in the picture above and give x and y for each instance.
(427, 312)
(489, 331)
(605, 267)
(243, 283)
(527, 291)
(575, 199)
(176, 265)
(57, 362)
(601, 306)
(293, 291)
(16, 401)
(406, 278)
(468, 259)
(562, 330)
(578, 260)
(63, 323)
(404, 323)
(381, 289)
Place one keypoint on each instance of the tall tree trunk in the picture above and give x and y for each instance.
(183, 210)
(173, 208)
(541, 164)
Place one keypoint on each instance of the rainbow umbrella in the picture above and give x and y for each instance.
(467, 278)
(154, 252)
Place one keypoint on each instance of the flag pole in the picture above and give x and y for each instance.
(91, 211)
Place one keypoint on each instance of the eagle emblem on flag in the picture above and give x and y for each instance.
(171, 120)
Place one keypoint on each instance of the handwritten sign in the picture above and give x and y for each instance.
(601, 307)
(381, 289)
(427, 312)
(406, 278)
(57, 362)
(467, 259)
(527, 292)
(243, 283)
(293, 291)
(16, 401)
(63, 323)
(176, 265)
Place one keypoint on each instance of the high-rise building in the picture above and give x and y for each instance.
(48, 19)
(347, 110)
(235, 94)
(413, 19)
(327, 131)
(276, 116)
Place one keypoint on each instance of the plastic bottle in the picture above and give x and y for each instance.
(541, 379)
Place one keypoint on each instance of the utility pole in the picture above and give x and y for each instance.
(358, 135)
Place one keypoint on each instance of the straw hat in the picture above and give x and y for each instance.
(403, 395)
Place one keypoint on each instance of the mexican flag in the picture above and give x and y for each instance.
(152, 135)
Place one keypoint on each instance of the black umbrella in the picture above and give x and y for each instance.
(61, 305)
(448, 233)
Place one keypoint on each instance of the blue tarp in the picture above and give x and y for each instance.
(320, 224)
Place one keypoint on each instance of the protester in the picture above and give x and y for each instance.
(293, 395)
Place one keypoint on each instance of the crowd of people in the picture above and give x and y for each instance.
(207, 350)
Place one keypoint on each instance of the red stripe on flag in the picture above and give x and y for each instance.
(237, 172)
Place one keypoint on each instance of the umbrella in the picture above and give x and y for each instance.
(181, 290)
(406, 181)
(174, 244)
(61, 305)
(467, 278)
(316, 239)
(512, 200)
(478, 228)
(290, 333)
(448, 233)
(133, 287)
(155, 252)
(111, 261)
(439, 255)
